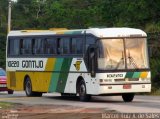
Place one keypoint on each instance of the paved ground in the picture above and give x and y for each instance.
(141, 104)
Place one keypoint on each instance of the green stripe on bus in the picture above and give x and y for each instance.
(55, 76)
(136, 74)
(129, 74)
(64, 75)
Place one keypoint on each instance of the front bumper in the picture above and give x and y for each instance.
(119, 89)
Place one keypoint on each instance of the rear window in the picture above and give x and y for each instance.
(2, 72)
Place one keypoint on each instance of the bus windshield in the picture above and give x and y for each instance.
(127, 53)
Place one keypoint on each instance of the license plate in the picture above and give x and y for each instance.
(3, 85)
(127, 86)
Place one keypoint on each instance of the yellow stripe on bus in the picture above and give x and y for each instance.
(144, 75)
(50, 64)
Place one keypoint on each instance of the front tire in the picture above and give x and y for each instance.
(82, 92)
(128, 97)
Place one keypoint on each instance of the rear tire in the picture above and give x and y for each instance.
(128, 97)
(28, 87)
(82, 92)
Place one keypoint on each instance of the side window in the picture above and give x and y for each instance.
(26, 46)
(63, 45)
(51, 46)
(77, 46)
(13, 47)
(66, 45)
(10, 47)
(38, 46)
(73, 46)
(59, 46)
(21, 47)
(89, 40)
(45, 47)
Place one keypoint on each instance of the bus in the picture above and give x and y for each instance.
(83, 62)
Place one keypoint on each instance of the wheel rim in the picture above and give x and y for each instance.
(82, 90)
(28, 87)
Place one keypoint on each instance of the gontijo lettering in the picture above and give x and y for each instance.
(32, 64)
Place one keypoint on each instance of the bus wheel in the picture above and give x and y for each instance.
(28, 87)
(128, 97)
(82, 92)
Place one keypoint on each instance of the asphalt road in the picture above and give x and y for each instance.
(140, 104)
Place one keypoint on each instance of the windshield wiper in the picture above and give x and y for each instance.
(132, 61)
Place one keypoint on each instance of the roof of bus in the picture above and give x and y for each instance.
(98, 32)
